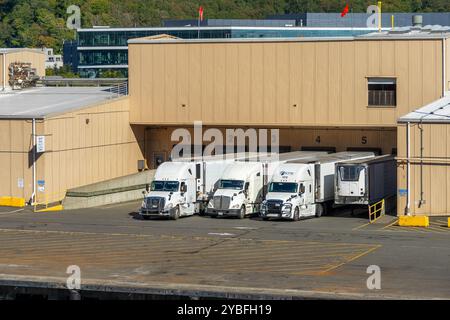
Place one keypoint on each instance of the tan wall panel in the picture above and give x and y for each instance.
(434, 176)
(15, 144)
(258, 83)
(80, 153)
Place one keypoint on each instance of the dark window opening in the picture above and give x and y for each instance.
(382, 92)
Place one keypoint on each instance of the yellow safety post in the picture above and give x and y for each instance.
(392, 22)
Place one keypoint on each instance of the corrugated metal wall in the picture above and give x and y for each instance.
(88, 146)
(322, 83)
(434, 178)
(82, 147)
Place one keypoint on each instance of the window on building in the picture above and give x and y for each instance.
(382, 92)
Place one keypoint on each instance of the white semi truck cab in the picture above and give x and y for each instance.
(243, 185)
(173, 192)
(291, 193)
(304, 188)
(239, 190)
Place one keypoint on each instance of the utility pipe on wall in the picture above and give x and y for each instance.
(33, 132)
(444, 67)
(4, 72)
(408, 169)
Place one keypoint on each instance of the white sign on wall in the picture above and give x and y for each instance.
(40, 144)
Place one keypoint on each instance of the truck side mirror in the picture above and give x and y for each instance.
(302, 189)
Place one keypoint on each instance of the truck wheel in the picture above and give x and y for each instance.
(176, 214)
(296, 214)
(319, 210)
(242, 213)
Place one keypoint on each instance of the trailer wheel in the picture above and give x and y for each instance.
(242, 213)
(296, 214)
(319, 210)
(176, 214)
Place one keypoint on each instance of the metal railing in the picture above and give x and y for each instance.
(376, 211)
(382, 98)
(47, 200)
(120, 89)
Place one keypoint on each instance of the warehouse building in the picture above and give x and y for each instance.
(36, 58)
(323, 93)
(80, 136)
(335, 94)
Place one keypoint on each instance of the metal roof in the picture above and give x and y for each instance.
(12, 50)
(40, 103)
(435, 112)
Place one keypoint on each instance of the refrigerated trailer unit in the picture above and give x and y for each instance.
(242, 186)
(366, 181)
(304, 188)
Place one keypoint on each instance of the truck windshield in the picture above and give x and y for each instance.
(171, 186)
(349, 173)
(231, 184)
(289, 187)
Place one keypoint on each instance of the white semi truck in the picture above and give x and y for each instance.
(366, 181)
(304, 188)
(242, 186)
(183, 187)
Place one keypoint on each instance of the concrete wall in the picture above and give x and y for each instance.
(36, 58)
(279, 83)
(434, 178)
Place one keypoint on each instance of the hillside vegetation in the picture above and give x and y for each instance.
(38, 23)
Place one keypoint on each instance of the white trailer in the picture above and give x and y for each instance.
(242, 186)
(304, 188)
(183, 187)
(365, 181)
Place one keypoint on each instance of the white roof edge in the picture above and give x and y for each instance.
(435, 112)
(223, 27)
(292, 39)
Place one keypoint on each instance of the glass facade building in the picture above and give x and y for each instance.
(104, 52)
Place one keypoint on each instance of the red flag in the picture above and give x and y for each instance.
(200, 13)
(345, 11)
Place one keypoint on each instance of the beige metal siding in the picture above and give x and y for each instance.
(88, 146)
(322, 83)
(436, 169)
(15, 158)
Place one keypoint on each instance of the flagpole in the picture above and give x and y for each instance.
(198, 30)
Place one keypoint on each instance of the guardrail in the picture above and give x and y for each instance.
(81, 82)
(376, 211)
(51, 201)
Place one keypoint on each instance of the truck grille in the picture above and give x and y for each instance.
(274, 206)
(155, 203)
(221, 202)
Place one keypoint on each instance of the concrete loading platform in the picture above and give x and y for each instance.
(202, 257)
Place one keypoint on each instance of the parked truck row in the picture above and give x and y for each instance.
(284, 186)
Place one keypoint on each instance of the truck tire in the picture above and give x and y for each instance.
(242, 213)
(176, 214)
(319, 210)
(296, 214)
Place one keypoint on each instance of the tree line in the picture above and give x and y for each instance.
(42, 23)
